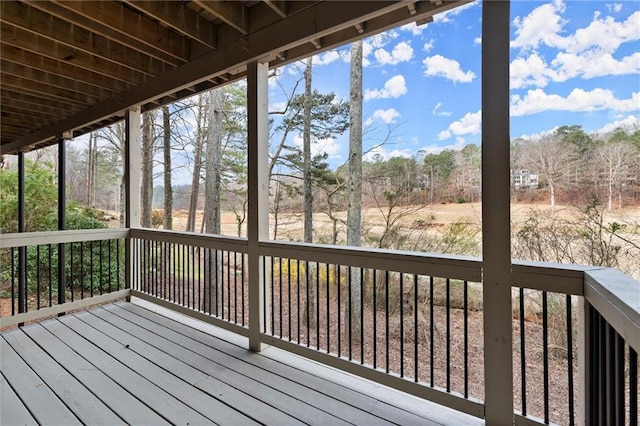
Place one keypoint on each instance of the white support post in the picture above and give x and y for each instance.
(258, 195)
(496, 240)
(132, 163)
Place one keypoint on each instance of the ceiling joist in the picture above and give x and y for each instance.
(232, 13)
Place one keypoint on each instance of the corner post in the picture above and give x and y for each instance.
(132, 163)
(496, 240)
(258, 195)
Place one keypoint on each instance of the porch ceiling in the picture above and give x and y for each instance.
(77, 66)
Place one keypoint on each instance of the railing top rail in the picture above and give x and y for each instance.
(218, 242)
(24, 239)
(440, 265)
(617, 297)
(552, 277)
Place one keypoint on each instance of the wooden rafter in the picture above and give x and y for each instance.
(278, 6)
(232, 13)
(179, 18)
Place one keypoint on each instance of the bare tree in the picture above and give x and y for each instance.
(615, 159)
(552, 158)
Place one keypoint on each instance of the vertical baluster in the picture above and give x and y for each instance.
(619, 379)
(415, 327)
(361, 304)
(13, 280)
(90, 271)
(306, 281)
(431, 326)
(328, 313)
(242, 281)
(298, 296)
(375, 319)
(264, 291)
(50, 269)
(448, 332)
(37, 277)
(545, 355)
(100, 265)
(633, 386)
(108, 270)
(401, 324)
(317, 305)
(338, 268)
(81, 270)
(235, 287)
(386, 318)
(289, 296)
(350, 340)
(280, 294)
(71, 271)
(523, 355)
(273, 300)
(570, 358)
(466, 338)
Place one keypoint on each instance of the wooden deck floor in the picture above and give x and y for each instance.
(125, 364)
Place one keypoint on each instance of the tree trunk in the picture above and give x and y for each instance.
(211, 216)
(197, 167)
(147, 169)
(552, 190)
(354, 214)
(168, 190)
(212, 165)
(308, 196)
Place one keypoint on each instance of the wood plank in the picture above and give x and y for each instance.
(352, 406)
(85, 405)
(256, 397)
(45, 406)
(121, 402)
(391, 402)
(12, 410)
(177, 382)
(160, 400)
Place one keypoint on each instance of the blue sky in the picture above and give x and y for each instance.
(572, 62)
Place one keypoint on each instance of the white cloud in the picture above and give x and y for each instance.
(393, 88)
(386, 115)
(320, 146)
(402, 52)
(615, 7)
(415, 29)
(536, 101)
(439, 66)
(629, 123)
(436, 111)
(445, 17)
(593, 64)
(326, 58)
(477, 40)
(428, 46)
(467, 125)
(436, 149)
(544, 26)
(529, 71)
(386, 154)
(277, 106)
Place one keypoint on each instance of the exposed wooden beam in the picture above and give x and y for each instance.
(122, 24)
(59, 68)
(278, 6)
(27, 19)
(45, 90)
(179, 17)
(20, 40)
(232, 13)
(24, 100)
(31, 74)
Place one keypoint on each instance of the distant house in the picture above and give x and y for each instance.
(524, 179)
